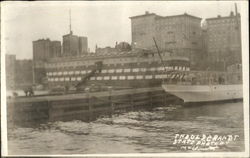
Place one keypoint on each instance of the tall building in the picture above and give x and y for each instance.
(179, 34)
(43, 49)
(224, 40)
(23, 73)
(55, 49)
(10, 61)
(74, 45)
(83, 44)
(143, 29)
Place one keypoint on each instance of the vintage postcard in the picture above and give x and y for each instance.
(125, 78)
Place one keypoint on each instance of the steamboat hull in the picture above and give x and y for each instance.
(205, 93)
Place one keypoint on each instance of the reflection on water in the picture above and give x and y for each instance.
(133, 132)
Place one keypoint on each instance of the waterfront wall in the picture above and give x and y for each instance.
(86, 107)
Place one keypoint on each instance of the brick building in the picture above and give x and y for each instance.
(10, 61)
(23, 74)
(43, 49)
(74, 45)
(179, 34)
(83, 44)
(55, 49)
(223, 41)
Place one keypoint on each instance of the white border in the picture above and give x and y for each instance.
(4, 145)
(245, 63)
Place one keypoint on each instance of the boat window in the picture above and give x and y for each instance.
(79, 78)
(111, 71)
(135, 70)
(83, 72)
(126, 70)
(114, 78)
(139, 77)
(118, 70)
(66, 78)
(104, 71)
(99, 78)
(122, 77)
(158, 76)
(92, 78)
(73, 78)
(106, 77)
(148, 77)
(131, 77)
(160, 68)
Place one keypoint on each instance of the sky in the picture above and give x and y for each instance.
(103, 22)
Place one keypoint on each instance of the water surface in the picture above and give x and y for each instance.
(151, 131)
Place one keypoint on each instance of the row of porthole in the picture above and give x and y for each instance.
(130, 77)
(127, 70)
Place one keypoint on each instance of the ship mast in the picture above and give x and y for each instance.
(158, 51)
(238, 27)
(70, 30)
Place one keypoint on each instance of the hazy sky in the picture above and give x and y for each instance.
(103, 23)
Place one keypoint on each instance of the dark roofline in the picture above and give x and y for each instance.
(222, 17)
(161, 17)
(185, 14)
(68, 35)
(56, 41)
(139, 16)
(47, 39)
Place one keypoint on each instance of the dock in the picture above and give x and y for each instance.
(84, 106)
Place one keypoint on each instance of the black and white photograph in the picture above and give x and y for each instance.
(125, 78)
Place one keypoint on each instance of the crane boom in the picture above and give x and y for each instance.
(158, 51)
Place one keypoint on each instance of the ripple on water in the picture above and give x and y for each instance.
(138, 131)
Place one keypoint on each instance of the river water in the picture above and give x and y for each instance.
(143, 131)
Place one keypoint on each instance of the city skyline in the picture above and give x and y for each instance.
(52, 20)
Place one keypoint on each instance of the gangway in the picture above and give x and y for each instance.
(97, 69)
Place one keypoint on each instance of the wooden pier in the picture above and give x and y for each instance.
(84, 106)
